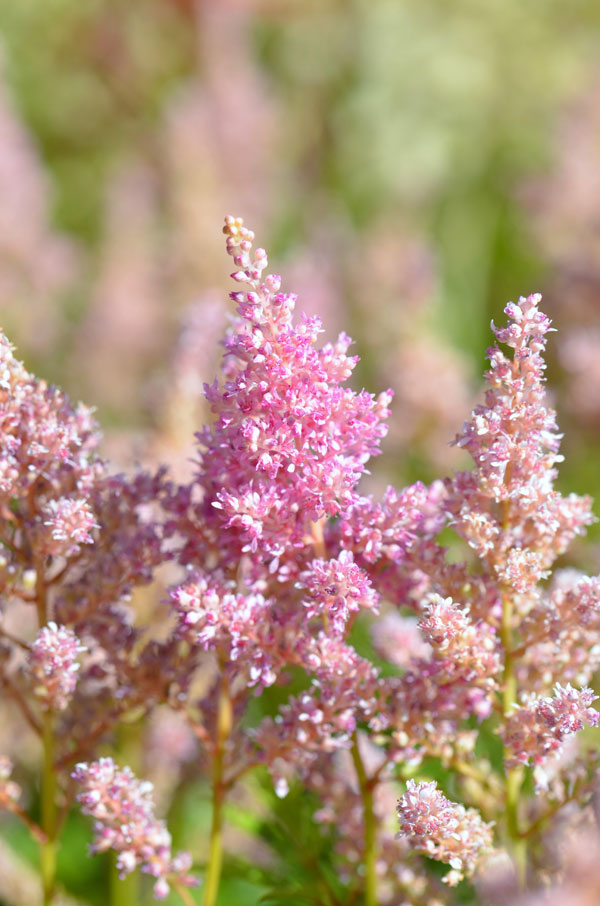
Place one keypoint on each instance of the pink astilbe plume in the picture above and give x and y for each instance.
(279, 571)
(75, 542)
(286, 553)
(539, 728)
(283, 455)
(124, 821)
(443, 830)
(53, 665)
(289, 443)
(46, 443)
(335, 588)
(506, 508)
(515, 639)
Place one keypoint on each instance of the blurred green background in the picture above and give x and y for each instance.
(410, 165)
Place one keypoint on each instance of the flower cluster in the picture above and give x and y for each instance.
(506, 508)
(289, 443)
(538, 729)
(124, 821)
(281, 569)
(44, 438)
(443, 830)
(276, 583)
(234, 626)
(53, 665)
(336, 588)
(460, 644)
(71, 521)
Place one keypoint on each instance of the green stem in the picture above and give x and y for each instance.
(126, 891)
(370, 844)
(123, 891)
(184, 894)
(49, 848)
(219, 790)
(514, 776)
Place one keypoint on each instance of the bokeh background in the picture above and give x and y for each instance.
(410, 165)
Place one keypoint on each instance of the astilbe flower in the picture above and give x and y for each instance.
(289, 443)
(539, 728)
(515, 639)
(268, 571)
(283, 553)
(457, 677)
(343, 693)
(334, 780)
(235, 626)
(335, 588)
(443, 830)
(507, 509)
(53, 666)
(124, 821)
(561, 632)
(76, 541)
(71, 522)
(46, 443)
(274, 582)
(456, 640)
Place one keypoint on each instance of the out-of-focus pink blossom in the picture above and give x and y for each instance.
(124, 821)
(398, 639)
(37, 263)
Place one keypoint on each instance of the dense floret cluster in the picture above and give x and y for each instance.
(407, 659)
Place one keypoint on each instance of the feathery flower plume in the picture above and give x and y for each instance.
(538, 729)
(124, 821)
(53, 665)
(443, 830)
